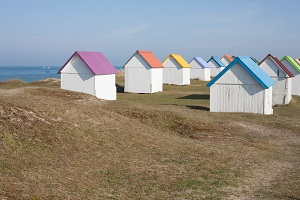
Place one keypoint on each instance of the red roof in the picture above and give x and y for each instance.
(95, 61)
(150, 58)
(277, 61)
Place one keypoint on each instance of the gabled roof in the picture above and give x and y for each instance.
(95, 61)
(291, 61)
(150, 58)
(179, 60)
(255, 60)
(201, 62)
(228, 57)
(217, 60)
(297, 61)
(279, 64)
(250, 66)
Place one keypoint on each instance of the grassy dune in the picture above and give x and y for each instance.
(58, 144)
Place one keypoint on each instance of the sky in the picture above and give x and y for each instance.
(48, 32)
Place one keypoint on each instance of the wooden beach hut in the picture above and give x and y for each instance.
(226, 59)
(293, 67)
(91, 73)
(143, 73)
(176, 70)
(216, 66)
(199, 69)
(241, 87)
(282, 89)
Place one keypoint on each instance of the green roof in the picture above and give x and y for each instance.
(292, 61)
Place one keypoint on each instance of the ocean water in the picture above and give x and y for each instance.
(29, 73)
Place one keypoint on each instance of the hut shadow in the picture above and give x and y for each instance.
(196, 96)
(120, 89)
(197, 107)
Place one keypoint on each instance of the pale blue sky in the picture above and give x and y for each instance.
(47, 32)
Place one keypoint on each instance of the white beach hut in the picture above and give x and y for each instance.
(293, 67)
(226, 59)
(199, 69)
(282, 89)
(143, 73)
(91, 73)
(216, 66)
(176, 70)
(241, 87)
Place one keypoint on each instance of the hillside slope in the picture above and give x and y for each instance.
(58, 144)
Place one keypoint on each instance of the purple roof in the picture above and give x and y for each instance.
(201, 62)
(95, 61)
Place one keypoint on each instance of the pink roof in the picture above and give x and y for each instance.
(277, 61)
(95, 61)
(297, 61)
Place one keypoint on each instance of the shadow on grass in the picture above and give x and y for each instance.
(197, 108)
(196, 96)
(120, 89)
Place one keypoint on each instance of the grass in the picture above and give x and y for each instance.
(58, 144)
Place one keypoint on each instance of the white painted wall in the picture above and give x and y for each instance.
(197, 72)
(174, 74)
(105, 87)
(214, 68)
(295, 79)
(76, 76)
(141, 78)
(156, 80)
(283, 84)
(237, 91)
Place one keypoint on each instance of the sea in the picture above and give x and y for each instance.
(30, 73)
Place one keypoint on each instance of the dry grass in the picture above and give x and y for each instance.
(57, 144)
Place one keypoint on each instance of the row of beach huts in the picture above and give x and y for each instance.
(237, 83)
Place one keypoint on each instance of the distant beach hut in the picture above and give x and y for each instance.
(216, 66)
(176, 70)
(282, 89)
(91, 73)
(293, 67)
(297, 61)
(241, 87)
(226, 59)
(199, 69)
(143, 73)
(255, 60)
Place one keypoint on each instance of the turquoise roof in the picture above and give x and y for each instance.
(250, 66)
(201, 62)
(217, 60)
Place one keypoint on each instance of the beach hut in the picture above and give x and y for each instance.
(282, 89)
(91, 73)
(216, 66)
(293, 67)
(226, 59)
(143, 73)
(199, 69)
(176, 70)
(241, 87)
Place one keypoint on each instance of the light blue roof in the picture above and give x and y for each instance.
(250, 66)
(217, 60)
(201, 62)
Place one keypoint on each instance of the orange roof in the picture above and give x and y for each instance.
(228, 57)
(150, 58)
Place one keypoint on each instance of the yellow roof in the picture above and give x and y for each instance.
(179, 60)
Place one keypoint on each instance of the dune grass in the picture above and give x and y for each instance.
(58, 144)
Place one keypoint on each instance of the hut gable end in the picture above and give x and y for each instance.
(76, 65)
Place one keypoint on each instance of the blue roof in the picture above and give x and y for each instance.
(201, 62)
(217, 60)
(250, 66)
